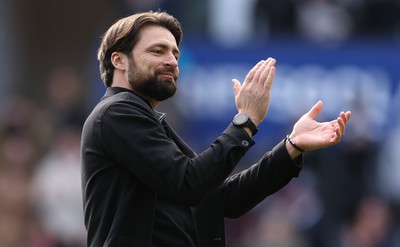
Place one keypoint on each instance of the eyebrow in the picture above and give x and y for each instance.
(164, 46)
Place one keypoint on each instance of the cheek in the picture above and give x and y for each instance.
(144, 70)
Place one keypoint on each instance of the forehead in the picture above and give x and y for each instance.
(151, 35)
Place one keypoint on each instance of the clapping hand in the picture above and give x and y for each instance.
(253, 96)
(309, 134)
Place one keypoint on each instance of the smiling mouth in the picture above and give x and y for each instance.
(169, 75)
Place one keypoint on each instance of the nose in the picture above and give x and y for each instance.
(171, 61)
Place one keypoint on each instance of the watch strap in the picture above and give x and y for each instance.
(242, 119)
(253, 128)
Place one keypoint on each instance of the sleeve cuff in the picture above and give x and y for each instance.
(281, 151)
(240, 136)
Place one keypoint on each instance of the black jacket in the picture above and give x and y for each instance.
(129, 158)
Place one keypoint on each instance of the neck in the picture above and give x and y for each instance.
(119, 80)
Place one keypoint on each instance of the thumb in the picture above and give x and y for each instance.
(236, 86)
(315, 110)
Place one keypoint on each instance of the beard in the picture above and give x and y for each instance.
(151, 85)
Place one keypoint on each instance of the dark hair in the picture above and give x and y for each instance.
(124, 34)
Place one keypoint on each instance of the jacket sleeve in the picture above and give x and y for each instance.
(136, 140)
(244, 190)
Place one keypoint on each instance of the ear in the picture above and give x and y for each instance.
(119, 60)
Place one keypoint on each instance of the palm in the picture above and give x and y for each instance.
(311, 134)
(317, 134)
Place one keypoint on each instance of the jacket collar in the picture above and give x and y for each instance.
(110, 91)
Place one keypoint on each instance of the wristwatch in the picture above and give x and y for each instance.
(242, 119)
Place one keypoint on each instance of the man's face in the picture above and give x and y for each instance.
(153, 67)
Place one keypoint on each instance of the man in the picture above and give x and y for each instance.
(142, 185)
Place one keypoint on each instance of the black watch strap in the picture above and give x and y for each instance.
(242, 119)
(252, 127)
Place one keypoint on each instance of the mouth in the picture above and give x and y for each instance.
(168, 74)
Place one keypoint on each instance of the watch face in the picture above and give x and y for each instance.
(240, 119)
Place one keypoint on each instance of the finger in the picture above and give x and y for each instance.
(252, 72)
(315, 110)
(268, 74)
(342, 116)
(345, 118)
(338, 135)
(236, 86)
(270, 63)
(262, 72)
(348, 114)
(270, 78)
(341, 125)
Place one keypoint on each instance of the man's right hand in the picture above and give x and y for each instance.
(253, 97)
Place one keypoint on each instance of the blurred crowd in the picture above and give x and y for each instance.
(41, 203)
(347, 196)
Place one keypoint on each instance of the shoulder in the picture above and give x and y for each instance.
(123, 102)
(116, 107)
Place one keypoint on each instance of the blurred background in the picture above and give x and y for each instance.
(344, 52)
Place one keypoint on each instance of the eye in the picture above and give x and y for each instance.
(157, 51)
(176, 55)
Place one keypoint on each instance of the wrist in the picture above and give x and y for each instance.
(244, 121)
(294, 145)
(291, 149)
(248, 131)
